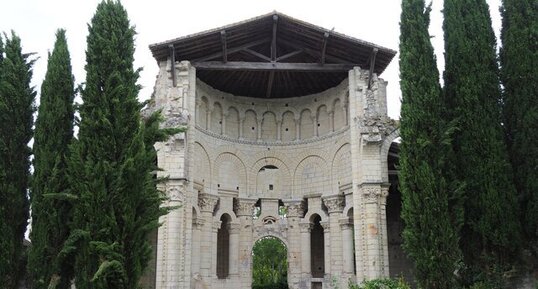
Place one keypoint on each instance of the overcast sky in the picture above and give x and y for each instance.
(36, 21)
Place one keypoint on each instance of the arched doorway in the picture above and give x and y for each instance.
(269, 264)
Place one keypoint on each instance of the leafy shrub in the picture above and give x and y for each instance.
(382, 284)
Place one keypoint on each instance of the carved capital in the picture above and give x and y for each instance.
(345, 223)
(295, 208)
(244, 207)
(207, 202)
(234, 228)
(175, 193)
(335, 203)
(198, 223)
(325, 225)
(374, 193)
(306, 227)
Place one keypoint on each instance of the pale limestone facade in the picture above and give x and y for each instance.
(322, 156)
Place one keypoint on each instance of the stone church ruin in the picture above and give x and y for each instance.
(288, 137)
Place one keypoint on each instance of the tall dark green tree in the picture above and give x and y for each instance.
(111, 164)
(16, 121)
(53, 134)
(491, 232)
(431, 209)
(519, 74)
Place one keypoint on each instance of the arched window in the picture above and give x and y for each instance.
(223, 247)
(317, 249)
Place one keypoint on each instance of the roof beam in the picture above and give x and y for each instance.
(291, 54)
(273, 42)
(277, 66)
(372, 65)
(270, 83)
(324, 47)
(313, 52)
(232, 50)
(224, 46)
(259, 55)
(173, 64)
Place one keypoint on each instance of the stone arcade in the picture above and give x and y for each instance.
(288, 136)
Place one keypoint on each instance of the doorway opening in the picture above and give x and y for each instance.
(269, 264)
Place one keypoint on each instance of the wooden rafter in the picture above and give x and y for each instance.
(273, 40)
(276, 66)
(232, 50)
(224, 46)
(324, 47)
(288, 55)
(372, 65)
(173, 64)
(313, 52)
(257, 54)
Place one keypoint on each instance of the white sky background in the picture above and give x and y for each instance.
(377, 21)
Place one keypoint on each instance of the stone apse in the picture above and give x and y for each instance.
(287, 136)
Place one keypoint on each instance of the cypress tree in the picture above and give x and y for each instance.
(16, 120)
(491, 231)
(117, 203)
(431, 210)
(519, 74)
(53, 134)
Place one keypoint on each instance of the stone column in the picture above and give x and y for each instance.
(206, 203)
(259, 122)
(297, 129)
(347, 245)
(244, 209)
(197, 226)
(234, 248)
(214, 240)
(223, 124)
(241, 121)
(327, 247)
(279, 130)
(374, 230)
(335, 205)
(306, 228)
(331, 121)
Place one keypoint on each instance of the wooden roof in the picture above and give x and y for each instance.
(273, 55)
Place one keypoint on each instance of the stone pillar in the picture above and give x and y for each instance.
(214, 240)
(223, 124)
(306, 228)
(234, 248)
(295, 211)
(373, 228)
(170, 237)
(279, 130)
(241, 121)
(327, 247)
(331, 121)
(207, 203)
(335, 206)
(259, 138)
(244, 209)
(347, 245)
(297, 129)
(197, 226)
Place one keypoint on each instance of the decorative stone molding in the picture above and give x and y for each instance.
(175, 193)
(345, 223)
(244, 207)
(326, 226)
(334, 203)
(276, 142)
(207, 202)
(234, 228)
(372, 193)
(295, 208)
(198, 222)
(306, 227)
